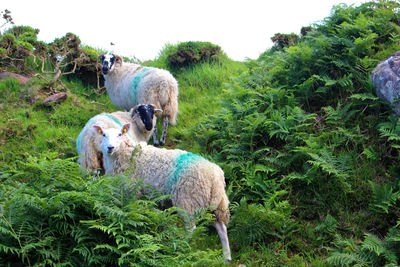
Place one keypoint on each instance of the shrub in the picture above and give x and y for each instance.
(3, 52)
(371, 251)
(306, 119)
(67, 55)
(25, 41)
(284, 40)
(16, 49)
(24, 33)
(7, 41)
(189, 53)
(257, 224)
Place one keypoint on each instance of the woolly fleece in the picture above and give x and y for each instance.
(193, 181)
(89, 141)
(129, 84)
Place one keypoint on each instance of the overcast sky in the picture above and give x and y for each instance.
(142, 28)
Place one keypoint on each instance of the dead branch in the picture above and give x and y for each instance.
(55, 78)
(73, 70)
(98, 73)
(46, 72)
(97, 103)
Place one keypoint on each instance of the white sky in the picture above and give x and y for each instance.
(142, 28)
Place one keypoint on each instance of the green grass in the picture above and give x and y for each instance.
(200, 95)
(29, 128)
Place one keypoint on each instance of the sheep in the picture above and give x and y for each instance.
(129, 84)
(192, 181)
(88, 142)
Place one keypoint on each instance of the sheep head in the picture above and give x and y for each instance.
(112, 138)
(146, 114)
(109, 61)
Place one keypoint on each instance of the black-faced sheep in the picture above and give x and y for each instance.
(192, 181)
(88, 142)
(130, 84)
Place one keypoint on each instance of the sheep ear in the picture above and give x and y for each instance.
(118, 58)
(125, 128)
(158, 111)
(101, 57)
(98, 129)
(133, 110)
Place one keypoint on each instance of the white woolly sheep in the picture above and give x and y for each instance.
(192, 181)
(130, 84)
(88, 142)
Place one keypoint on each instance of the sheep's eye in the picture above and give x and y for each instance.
(104, 135)
(119, 134)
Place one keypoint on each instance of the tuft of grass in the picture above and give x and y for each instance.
(29, 128)
(10, 90)
(200, 94)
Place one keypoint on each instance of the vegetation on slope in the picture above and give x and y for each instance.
(310, 154)
(304, 129)
(50, 212)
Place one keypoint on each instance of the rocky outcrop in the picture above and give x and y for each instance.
(386, 80)
(22, 79)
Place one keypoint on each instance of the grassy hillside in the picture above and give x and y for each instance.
(310, 153)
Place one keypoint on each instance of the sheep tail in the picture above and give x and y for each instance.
(169, 93)
(218, 193)
(222, 212)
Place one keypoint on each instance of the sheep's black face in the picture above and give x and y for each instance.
(108, 62)
(146, 114)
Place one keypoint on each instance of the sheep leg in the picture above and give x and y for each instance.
(188, 221)
(164, 131)
(155, 137)
(223, 236)
(190, 227)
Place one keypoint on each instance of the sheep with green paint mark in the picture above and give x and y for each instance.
(192, 181)
(88, 142)
(130, 84)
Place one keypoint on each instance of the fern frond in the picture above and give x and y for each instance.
(329, 225)
(345, 259)
(364, 97)
(373, 244)
(383, 197)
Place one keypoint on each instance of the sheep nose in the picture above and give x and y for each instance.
(149, 126)
(105, 70)
(110, 149)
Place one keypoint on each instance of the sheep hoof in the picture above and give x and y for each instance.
(161, 143)
(156, 144)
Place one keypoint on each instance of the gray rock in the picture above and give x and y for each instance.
(386, 80)
(22, 79)
(56, 98)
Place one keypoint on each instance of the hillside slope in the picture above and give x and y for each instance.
(310, 154)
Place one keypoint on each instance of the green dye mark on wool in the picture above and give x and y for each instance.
(181, 163)
(117, 122)
(78, 140)
(78, 143)
(135, 82)
(114, 119)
